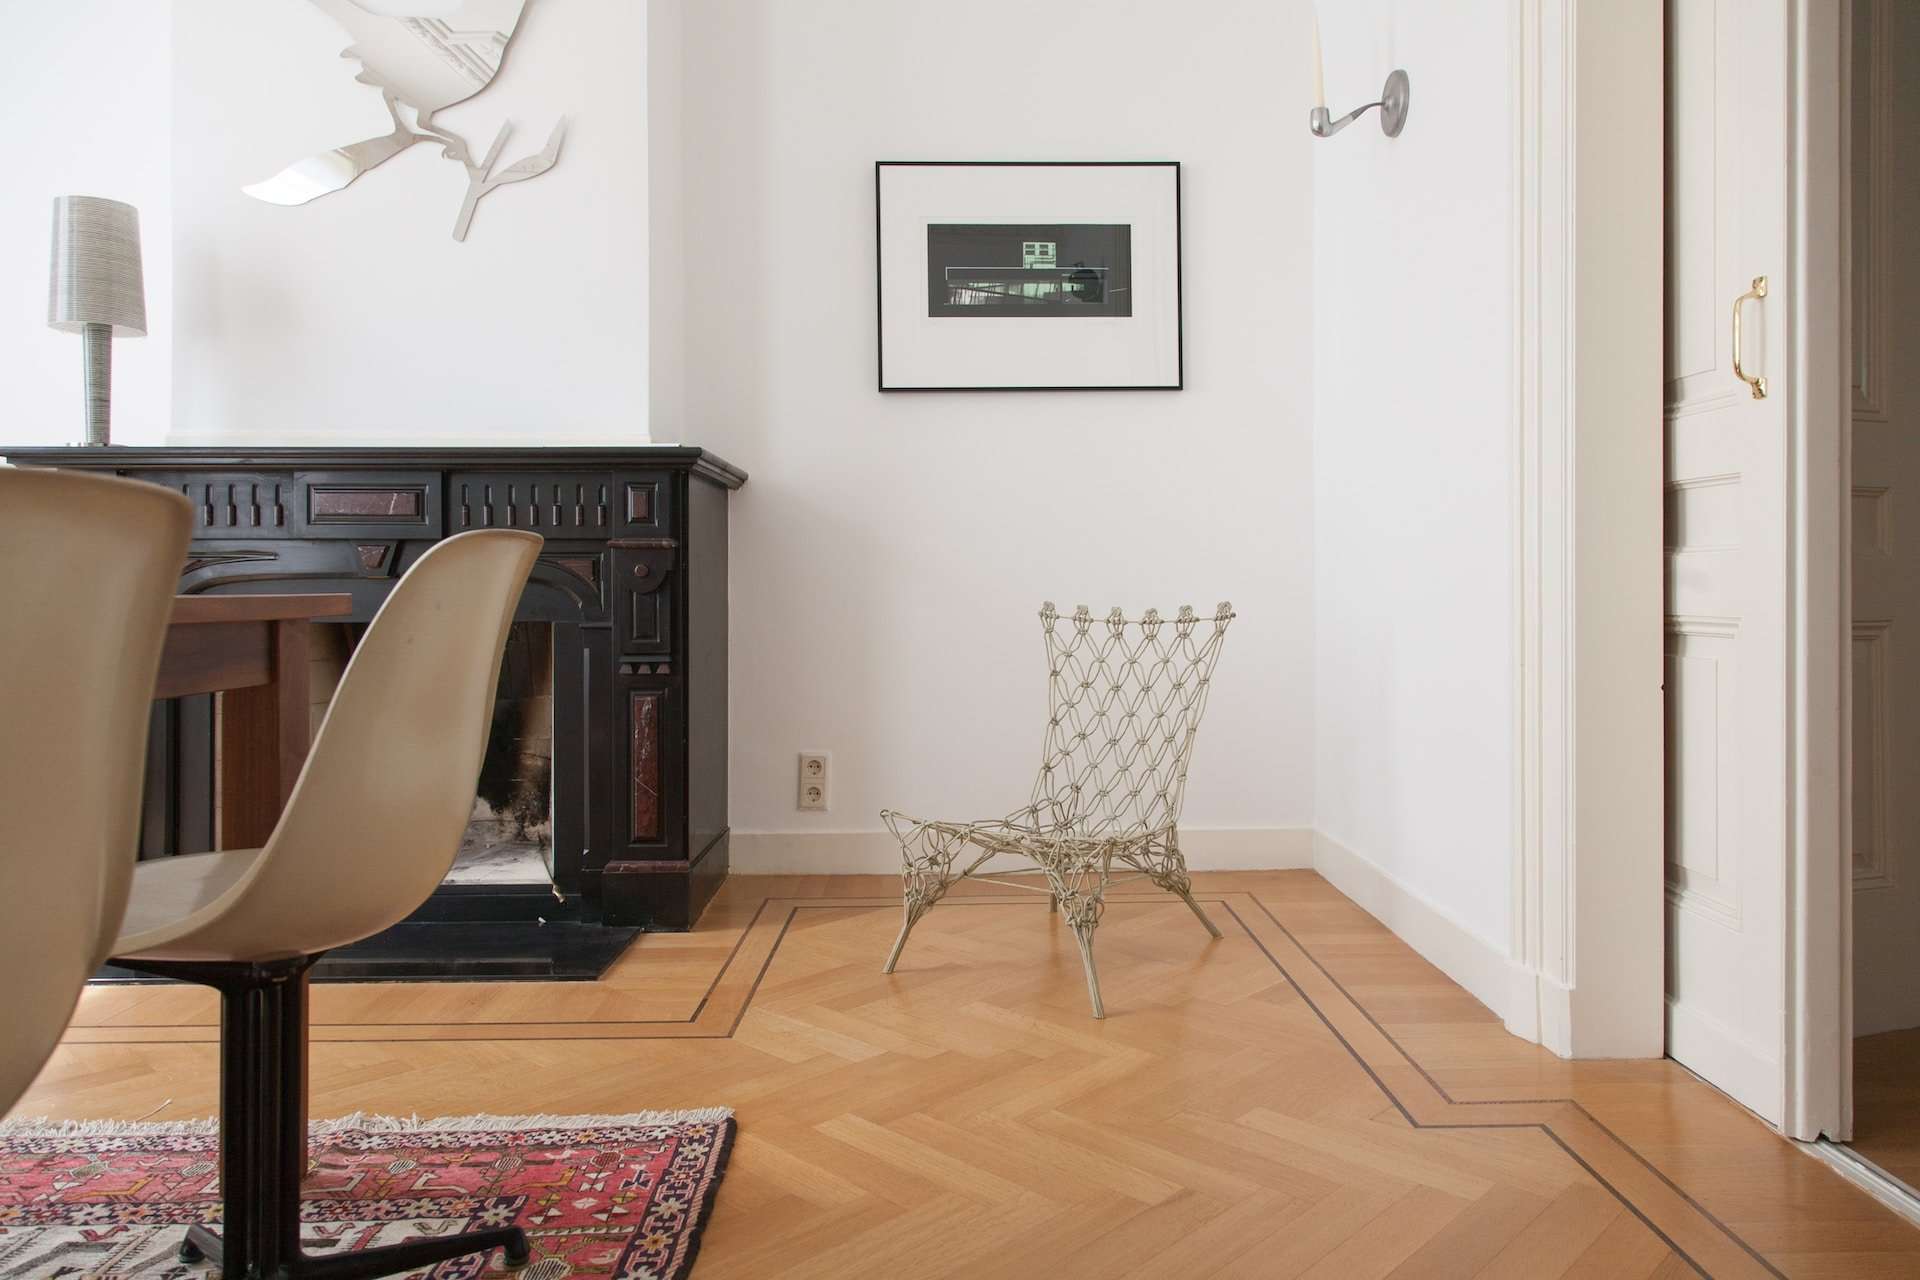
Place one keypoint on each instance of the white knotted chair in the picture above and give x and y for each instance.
(1126, 698)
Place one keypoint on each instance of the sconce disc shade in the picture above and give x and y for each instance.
(1393, 104)
(95, 277)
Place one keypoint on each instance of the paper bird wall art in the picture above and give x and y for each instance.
(423, 57)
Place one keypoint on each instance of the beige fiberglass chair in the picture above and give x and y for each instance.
(87, 572)
(372, 826)
(1126, 699)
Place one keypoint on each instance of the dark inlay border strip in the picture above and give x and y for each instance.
(795, 906)
(1440, 1089)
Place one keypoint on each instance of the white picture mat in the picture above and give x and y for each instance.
(922, 351)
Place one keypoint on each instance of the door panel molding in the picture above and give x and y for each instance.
(1873, 854)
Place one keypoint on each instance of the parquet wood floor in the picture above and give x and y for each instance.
(1886, 1102)
(1305, 1097)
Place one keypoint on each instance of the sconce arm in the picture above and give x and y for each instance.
(1321, 124)
(1392, 104)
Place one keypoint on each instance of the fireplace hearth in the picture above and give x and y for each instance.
(601, 805)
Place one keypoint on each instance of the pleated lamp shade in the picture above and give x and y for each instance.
(96, 267)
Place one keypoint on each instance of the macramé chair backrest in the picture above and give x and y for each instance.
(87, 573)
(1125, 700)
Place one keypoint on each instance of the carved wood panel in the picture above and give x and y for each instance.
(564, 504)
(643, 598)
(646, 504)
(234, 505)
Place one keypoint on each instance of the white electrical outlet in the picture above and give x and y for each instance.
(813, 780)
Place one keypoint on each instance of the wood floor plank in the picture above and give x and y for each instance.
(1416, 1218)
(1553, 1243)
(1474, 1237)
(1886, 1102)
(1305, 1096)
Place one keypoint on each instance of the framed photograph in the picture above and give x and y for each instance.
(1028, 275)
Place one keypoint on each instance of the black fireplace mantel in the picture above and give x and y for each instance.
(633, 578)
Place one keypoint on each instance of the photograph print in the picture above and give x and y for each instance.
(1028, 269)
(1028, 276)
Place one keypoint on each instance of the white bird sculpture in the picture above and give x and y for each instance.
(421, 62)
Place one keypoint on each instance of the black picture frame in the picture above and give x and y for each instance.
(880, 280)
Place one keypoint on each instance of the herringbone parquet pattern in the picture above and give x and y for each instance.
(1302, 1098)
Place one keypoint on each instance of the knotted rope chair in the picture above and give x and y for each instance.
(1126, 696)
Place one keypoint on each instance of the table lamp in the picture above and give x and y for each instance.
(95, 290)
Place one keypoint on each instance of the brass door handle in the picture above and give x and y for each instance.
(1758, 384)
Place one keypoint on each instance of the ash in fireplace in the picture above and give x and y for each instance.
(509, 838)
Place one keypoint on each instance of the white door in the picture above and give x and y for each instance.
(1885, 118)
(1727, 672)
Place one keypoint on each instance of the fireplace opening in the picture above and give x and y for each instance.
(509, 835)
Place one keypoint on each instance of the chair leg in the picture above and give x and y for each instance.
(1083, 934)
(924, 881)
(1212, 928)
(1083, 909)
(910, 916)
(263, 1137)
(1171, 874)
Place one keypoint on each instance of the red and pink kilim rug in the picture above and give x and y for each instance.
(619, 1196)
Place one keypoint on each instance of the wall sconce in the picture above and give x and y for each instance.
(1392, 104)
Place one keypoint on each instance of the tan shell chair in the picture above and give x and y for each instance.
(87, 569)
(372, 826)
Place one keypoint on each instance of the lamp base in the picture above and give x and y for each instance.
(97, 370)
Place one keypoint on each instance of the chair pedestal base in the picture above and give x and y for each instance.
(263, 1136)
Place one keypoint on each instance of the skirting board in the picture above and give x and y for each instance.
(841, 853)
(1714, 1051)
(1531, 1008)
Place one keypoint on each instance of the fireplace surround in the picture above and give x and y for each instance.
(631, 586)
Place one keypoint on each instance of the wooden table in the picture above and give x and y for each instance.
(252, 651)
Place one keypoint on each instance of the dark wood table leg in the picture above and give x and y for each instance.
(263, 741)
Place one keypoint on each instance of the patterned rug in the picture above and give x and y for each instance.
(619, 1196)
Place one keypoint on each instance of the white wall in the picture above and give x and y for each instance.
(84, 91)
(666, 220)
(1414, 531)
(357, 316)
(891, 551)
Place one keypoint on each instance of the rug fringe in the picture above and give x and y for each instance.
(41, 1126)
(361, 1122)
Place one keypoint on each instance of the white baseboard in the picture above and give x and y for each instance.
(1515, 993)
(1533, 1007)
(1716, 1053)
(840, 853)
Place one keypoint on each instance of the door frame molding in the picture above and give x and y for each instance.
(1818, 1055)
(1589, 881)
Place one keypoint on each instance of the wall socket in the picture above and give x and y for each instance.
(813, 780)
